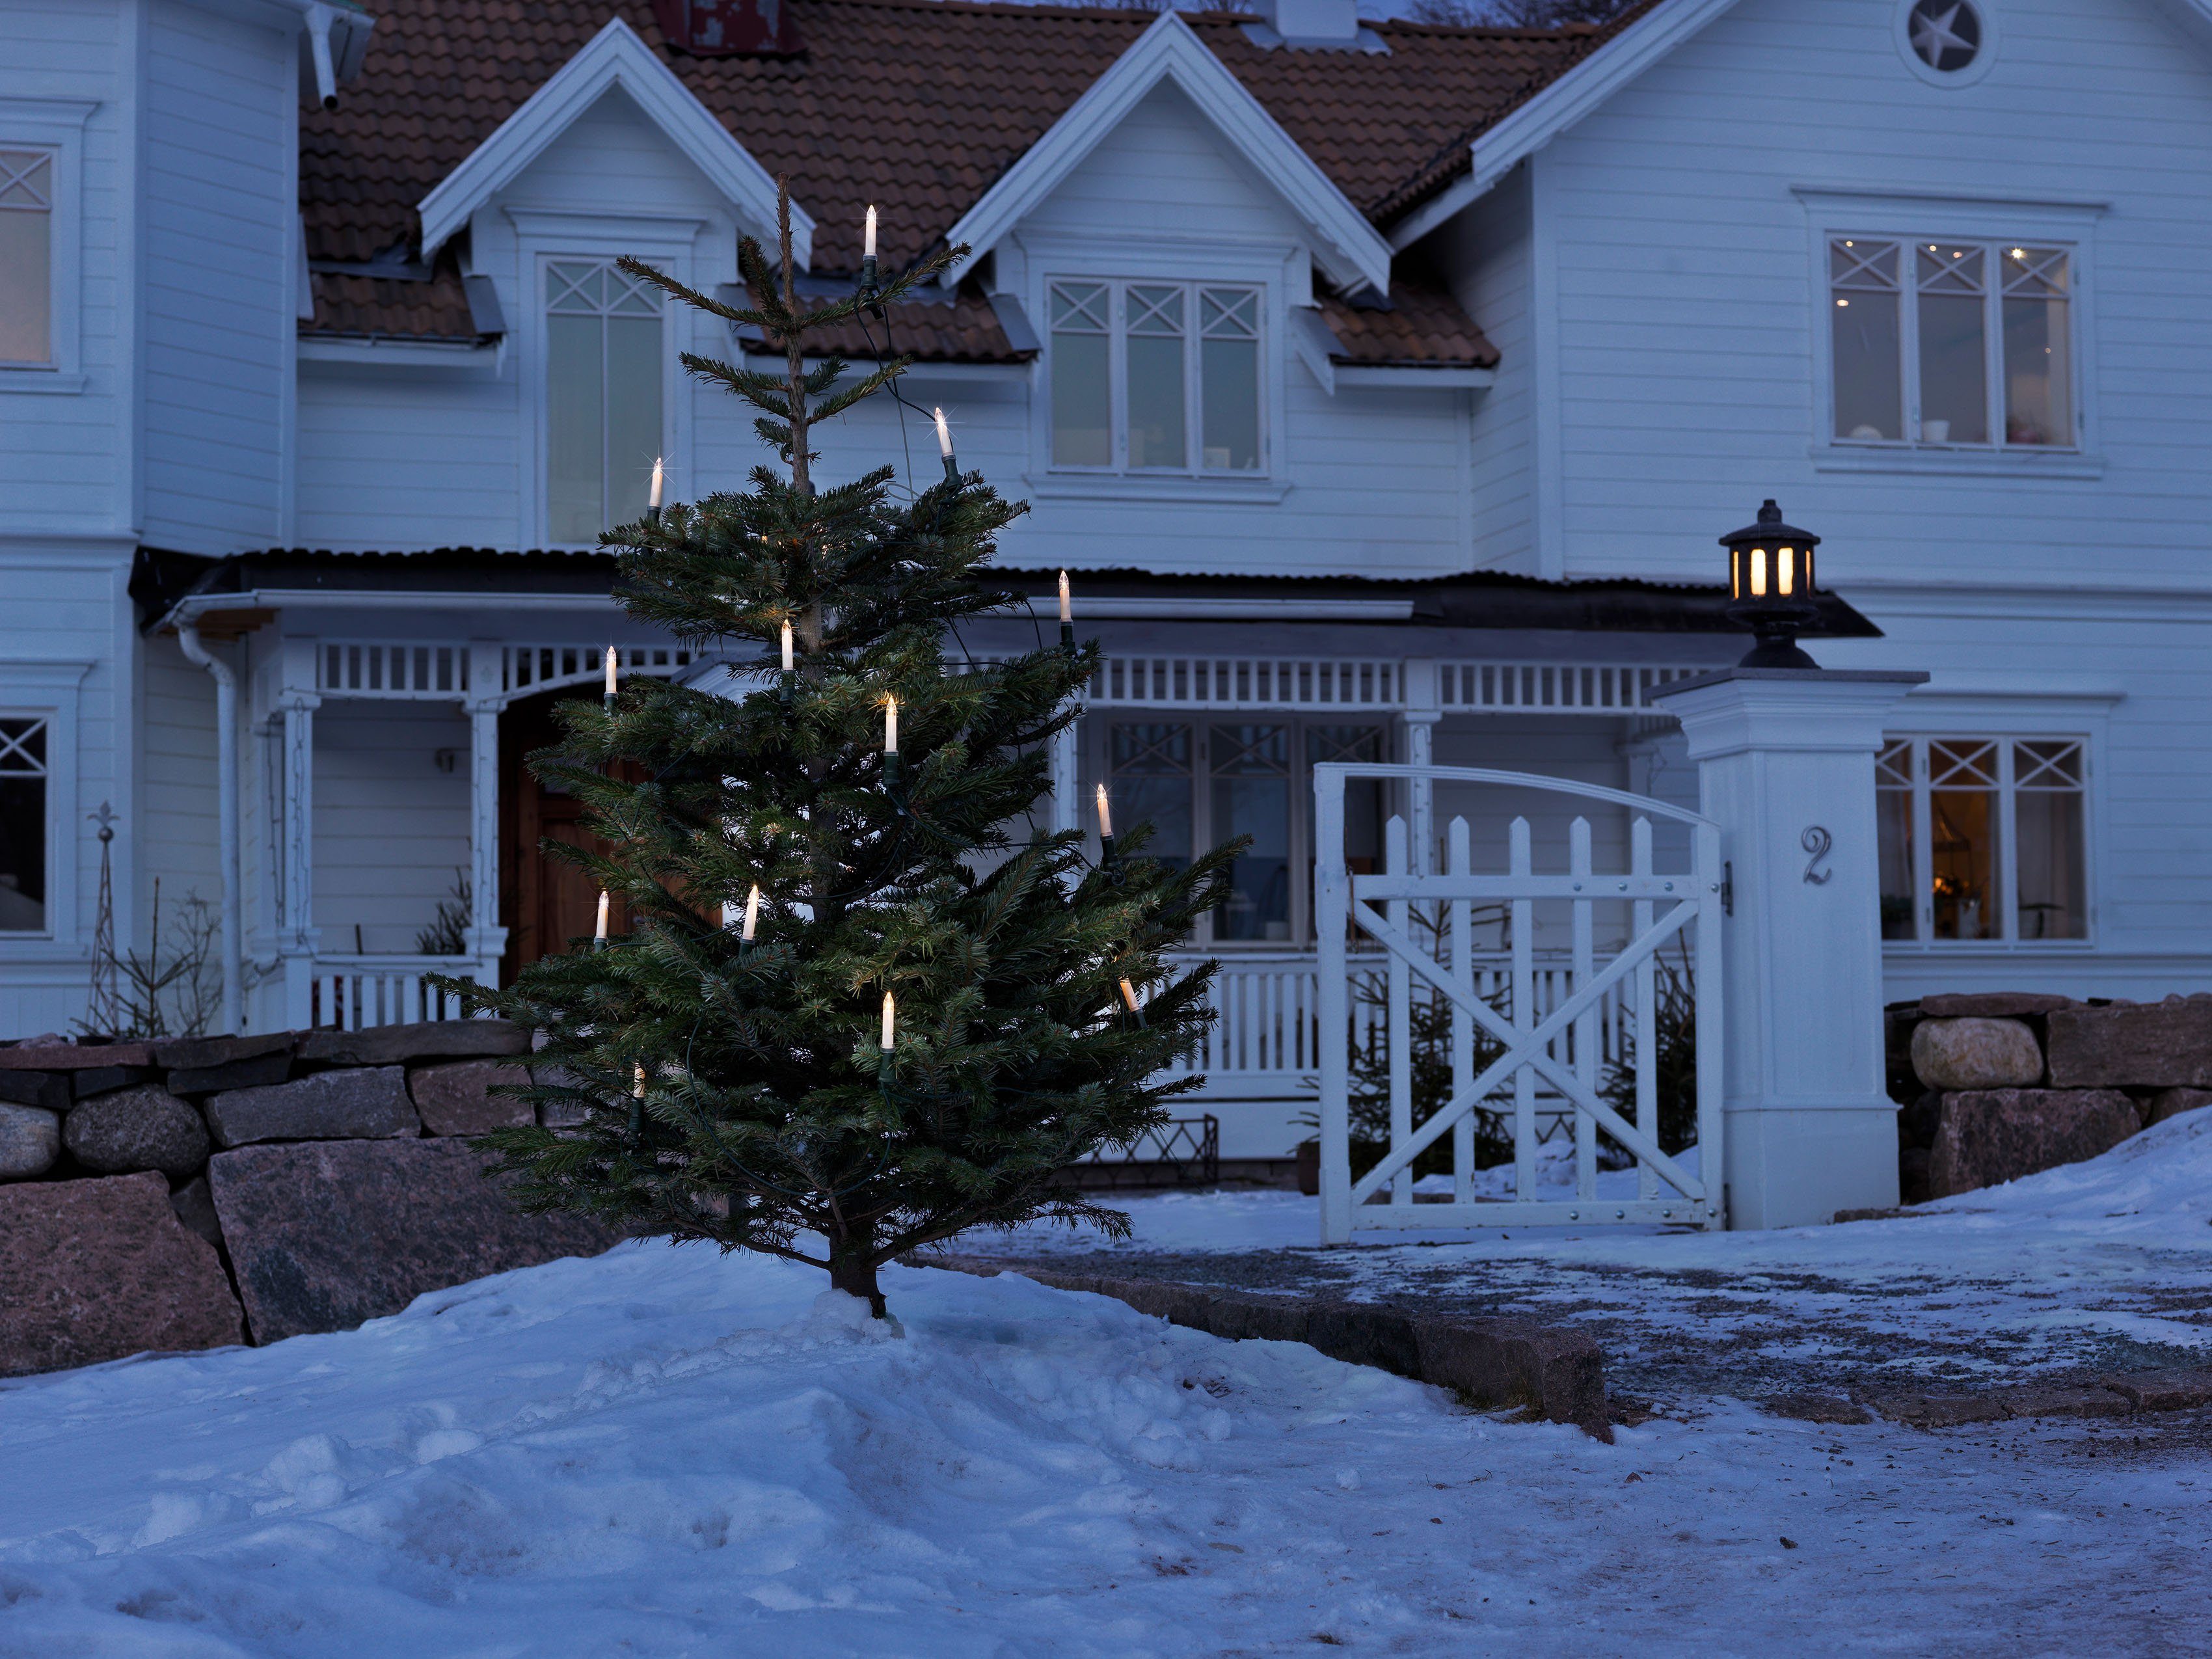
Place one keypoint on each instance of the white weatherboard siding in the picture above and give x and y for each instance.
(65, 434)
(407, 458)
(178, 833)
(1689, 311)
(221, 278)
(1487, 248)
(391, 828)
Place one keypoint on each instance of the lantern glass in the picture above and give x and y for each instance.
(1770, 587)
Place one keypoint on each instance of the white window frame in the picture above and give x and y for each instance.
(55, 126)
(48, 689)
(1283, 276)
(1096, 768)
(2005, 730)
(1915, 220)
(543, 236)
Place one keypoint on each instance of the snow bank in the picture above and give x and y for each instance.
(667, 1452)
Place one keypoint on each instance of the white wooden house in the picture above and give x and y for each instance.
(1384, 386)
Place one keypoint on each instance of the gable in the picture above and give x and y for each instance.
(613, 159)
(1164, 170)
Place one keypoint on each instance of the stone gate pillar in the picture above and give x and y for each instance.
(1785, 766)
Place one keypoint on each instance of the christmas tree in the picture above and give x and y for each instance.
(862, 1001)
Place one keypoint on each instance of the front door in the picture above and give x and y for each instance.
(546, 902)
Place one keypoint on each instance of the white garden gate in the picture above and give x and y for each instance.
(1555, 1051)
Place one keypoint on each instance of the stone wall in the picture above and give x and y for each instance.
(2000, 1085)
(189, 1194)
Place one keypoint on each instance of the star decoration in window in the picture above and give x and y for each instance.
(1946, 34)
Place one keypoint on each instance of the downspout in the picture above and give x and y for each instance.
(226, 742)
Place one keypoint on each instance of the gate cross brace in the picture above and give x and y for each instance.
(1526, 1049)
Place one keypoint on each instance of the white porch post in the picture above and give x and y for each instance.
(1420, 715)
(297, 937)
(487, 697)
(1785, 766)
(1066, 809)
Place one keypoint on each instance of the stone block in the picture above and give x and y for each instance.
(325, 1235)
(145, 1127)
(30, 1141)
(1942, 1411)
(1816, 1408)
(1365, 1334)
(2135, 1045)
(194, 1204)
(1976, 1054)
(1993, 1135)
(2173, 1103)
(2177, 1390)
(99, 1269)
(256, 1071)
(48, 1088)
(402, 1045)
(103, 1079)
(191, 1053)
(1507, 1362)
(72, 1056)
(456, 1098)
(362, 1104)
(1993, 1005)
(2064, 1402)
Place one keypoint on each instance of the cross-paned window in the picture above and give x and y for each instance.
(26, 257)
(1155, 377)
(1983, 838)
(603, 398)
(1951, 344)
(23, 826)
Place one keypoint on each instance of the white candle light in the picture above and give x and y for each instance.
(1105, 816)
(890, 726)
(890, 1019)
(1129, 995)
(752, 911)
(786, 645)
(944, 436)
(652, 501)
(868, 234)
(1067, 608)
(611, 671)
(604, 904)
(637, 1088)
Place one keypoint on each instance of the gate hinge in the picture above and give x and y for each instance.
(1728, 888)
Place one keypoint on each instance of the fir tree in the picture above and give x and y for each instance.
(740, 1093)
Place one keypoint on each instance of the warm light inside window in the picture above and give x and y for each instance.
(1786, 569)
(1758, 573)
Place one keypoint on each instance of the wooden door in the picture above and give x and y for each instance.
(545, 902)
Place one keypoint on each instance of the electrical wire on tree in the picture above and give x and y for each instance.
(925, 1016)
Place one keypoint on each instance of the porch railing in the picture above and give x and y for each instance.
(353, 993)
(1266, 1039)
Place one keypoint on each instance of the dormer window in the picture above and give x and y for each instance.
(27, 216)
(1155, 377)
(603, 398)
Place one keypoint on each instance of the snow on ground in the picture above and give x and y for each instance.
(2095, 1267)
(665, 1452)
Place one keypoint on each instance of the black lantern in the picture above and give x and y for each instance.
(1771, 589)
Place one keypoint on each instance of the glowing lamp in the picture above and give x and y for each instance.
(1771, 588)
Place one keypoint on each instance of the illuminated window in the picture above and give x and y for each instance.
(1983, 839)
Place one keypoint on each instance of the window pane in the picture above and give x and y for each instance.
(1954, 364)
(23, 825)
(1230, 387)
(1149, 782)
(633, 414)
(25, 257)
(1154, 325)
(1892, 803)
(2047, 810)
(1962, 811)
(1251, 797)
(1868, 362)
(575, 443)
(2039, 392)
(1082, 419)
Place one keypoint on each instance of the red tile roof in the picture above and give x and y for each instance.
(918, 106)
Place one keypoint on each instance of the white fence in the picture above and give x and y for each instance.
(353, 993)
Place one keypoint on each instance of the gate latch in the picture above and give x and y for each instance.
(1728, 888)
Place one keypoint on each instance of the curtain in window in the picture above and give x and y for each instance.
(27, 216)
(22, 824)
(603, 398)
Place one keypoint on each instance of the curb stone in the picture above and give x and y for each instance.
(1495, 1363)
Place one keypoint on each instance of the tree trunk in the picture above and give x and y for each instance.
(855, 1275)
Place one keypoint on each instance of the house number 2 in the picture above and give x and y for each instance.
(1817, 841)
